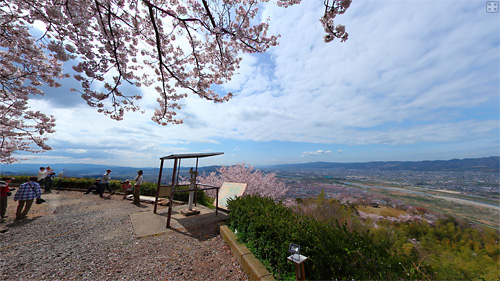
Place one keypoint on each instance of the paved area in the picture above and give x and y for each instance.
(148, 223)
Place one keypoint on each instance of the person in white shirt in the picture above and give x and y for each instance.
(41, 176)
(106, 178)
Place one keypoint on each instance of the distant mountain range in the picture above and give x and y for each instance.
(486, 164)
(80, 170)
(96, 171)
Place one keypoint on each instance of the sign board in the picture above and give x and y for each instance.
(164, 191)
(230, 190)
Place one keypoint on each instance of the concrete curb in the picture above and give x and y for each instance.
(249, 263)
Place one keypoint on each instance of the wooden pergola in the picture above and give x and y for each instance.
(175, 179)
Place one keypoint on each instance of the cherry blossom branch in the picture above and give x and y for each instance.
(109, 42)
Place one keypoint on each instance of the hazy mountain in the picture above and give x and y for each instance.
(70, 170)
(486, 164)
(96, 171)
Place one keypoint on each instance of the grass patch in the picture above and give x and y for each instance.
(381, 211)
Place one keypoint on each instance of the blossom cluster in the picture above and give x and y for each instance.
(258, 182)
(24, 66)
(404, 218)
(332, 9)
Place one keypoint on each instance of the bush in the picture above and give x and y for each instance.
(76, 183)
(85, 183)
(148, 188)
(333, 251)
(18, 180)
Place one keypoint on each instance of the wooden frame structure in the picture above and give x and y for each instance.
(175, 179)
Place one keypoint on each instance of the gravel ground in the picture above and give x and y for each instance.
(84, 237)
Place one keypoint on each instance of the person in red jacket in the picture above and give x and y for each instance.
(4, 193)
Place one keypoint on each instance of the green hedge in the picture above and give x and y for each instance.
(147, 188)
(70, 183)
(333, 251)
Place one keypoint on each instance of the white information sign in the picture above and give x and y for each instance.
(230, 190)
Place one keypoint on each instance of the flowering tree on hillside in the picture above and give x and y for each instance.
(179, 47)
(257, 181)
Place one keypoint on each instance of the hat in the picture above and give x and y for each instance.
(139, 172)
(7, 178)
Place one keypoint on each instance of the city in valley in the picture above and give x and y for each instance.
(465, 188)
(470, 195)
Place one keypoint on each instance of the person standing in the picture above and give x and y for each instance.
(41, 176)
(49, 174)
(106, 178)
(137, 188)
(4, 193)
(26, 193)
(60, 176)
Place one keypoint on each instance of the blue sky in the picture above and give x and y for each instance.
(417, 80)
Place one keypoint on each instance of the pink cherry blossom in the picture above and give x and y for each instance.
(258, 182)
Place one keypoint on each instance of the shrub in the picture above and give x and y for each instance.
(333, 251)
(323, 209)
(148, 188)
(18, 179)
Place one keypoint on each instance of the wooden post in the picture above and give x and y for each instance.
(192, 186)
(158, 187)
(298, 260)
(300, 273)
(195, 185)
(170, 201)
(217, 202)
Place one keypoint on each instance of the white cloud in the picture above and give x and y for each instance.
(402, 67)
(315, 153)
(76, 151)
